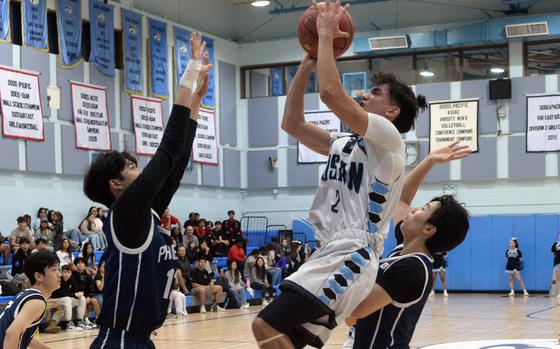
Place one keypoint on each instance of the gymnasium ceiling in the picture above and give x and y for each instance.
(243, 23)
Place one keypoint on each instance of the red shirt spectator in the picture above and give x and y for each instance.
(168, 220)
(201, 229)
(236, 253)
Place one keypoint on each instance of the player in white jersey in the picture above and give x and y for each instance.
(354, 203)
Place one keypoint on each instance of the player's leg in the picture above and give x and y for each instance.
(521, 283)
(443, 281)
(557, 268)
(434, 278)
(511, 291)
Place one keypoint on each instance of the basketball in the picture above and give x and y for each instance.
(309, 39)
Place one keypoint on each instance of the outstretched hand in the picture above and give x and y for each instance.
(202, 85)
(198, 47)
(453, 151)
(328, 18)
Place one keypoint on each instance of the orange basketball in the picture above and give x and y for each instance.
(309, 39)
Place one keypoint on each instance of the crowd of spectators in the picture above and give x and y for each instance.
(198, 242)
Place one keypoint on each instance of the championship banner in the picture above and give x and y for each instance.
(326, 120)
(158, 58)
(35, 31)
(132, 46)
(182, 52)
(102, 37)
(543, 123)
(148, 124)
(291, 74)
(69, 19)
(5, 21)
(205, 147)
(277, 81)
(452, 121)
(22, 116)
(209, 101)
(91, 116)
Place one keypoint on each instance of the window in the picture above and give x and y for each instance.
(401, 66)
(489, 63)
(438, 67)
(543, 58)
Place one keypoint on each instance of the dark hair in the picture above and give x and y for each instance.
(24, 241)
(39, 211)
(451, 220)
(79, 260)
(107, 166)
(66, 267)
(38, 262)
(260, 271)
(236, 274)
(230, 212)
(515, 242)
(202, 258)
(403, 96)
(27, 217)
(21, 219)
(85, 254)
(60, 247)
(39, 240)
(218, 222)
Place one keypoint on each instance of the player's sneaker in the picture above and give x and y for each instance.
(349, 343)
(525, 293)
(218, 308)
(246, 305)
(433, 293)
(265, 303)
(202, 309)
(511, 293)
(445, 293)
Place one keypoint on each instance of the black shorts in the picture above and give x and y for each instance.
(287, 314)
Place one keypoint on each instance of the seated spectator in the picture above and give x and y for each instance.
(176, 236)
(192, 252)
(168, 220)
(200, 230)
(70, 298)
(21, 232)
(90, 230)
(237, 254)
(236, 284)
(192, 221)
(89, 258)
(220, 243)
(73, 235)
(259, 280)
(177, 298)
(283, 263)
(275, 274)
(18, 264)
(85, 284)
(43, 232)
(40, 245)
(4, 249)
(203, 283)
(285, 247)
(184, 270)
(41, 215)
(64, 253)
(230, 222)
(204, 251)
(277, 248)
(295, 257)
(99, 284)
(99, 219)
(189, 236)
(250, 263)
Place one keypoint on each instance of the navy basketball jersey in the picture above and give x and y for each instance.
(10, 312)
(137, 281)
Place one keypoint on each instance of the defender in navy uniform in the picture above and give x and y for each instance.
(140, 261)
(21, 318)
(389, 314)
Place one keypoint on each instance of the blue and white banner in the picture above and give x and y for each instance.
(291, 73)
(158, 58)
(277, 81)
(35, 24)
(5, 21)
(102, 37)
(132, 46)
(182, 52)
(210, 101)
(69, 18)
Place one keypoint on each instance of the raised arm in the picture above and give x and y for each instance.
(294, 122)
(413, 180)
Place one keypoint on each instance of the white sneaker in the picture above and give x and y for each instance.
(525, 293)
(433, 293)
(558, 295)
(511, 293)
(83, 325)
(72, 328)
(90, 324)
(218, 308)
(202, 309)
(445, 293)
(349, 343)
(265, 303)
(246, 305)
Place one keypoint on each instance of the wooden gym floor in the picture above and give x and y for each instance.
(460, 317)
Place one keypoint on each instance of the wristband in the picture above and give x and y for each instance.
(191, 74)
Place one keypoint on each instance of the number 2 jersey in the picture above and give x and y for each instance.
(361, 184)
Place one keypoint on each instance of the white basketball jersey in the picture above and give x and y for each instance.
(361, 185)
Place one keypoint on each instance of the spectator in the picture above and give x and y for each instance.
(43, 232)
(19, 233)
(220, 243)
(229, 223)
(176, 236)
(191, 221)
(203, 283)
(285, 247)
(250, 263)
(277, 248)
(99, 222)
(200, 230)
(259, 280)
(4, 249)
(70, 298)
(168, 220)
(41, 245)
(99, 284)
(190, 237)
(28, 222)
(41, 215)
(85, 284)
(236, 284)
(18, 264)
(89, 258)
(91, 231)
(177, 298)
(275, 274)
(64, 253)
(204, 251)
(283, 264)
(514, 266)
(184, 269)
(295, 257)
(192, 252)
(556, 262)
(237, 254)
(58, 229)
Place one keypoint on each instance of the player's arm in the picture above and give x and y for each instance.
(29, 312)
(293, 122)
(413, 180)
(377, 299)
